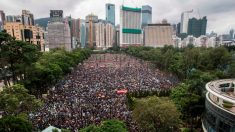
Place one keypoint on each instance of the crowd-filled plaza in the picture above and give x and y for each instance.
(96, 90)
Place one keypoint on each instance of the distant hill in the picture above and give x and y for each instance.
(42, 22)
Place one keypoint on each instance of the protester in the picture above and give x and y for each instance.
(96, 91)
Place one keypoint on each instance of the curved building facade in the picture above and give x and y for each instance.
(220, 106)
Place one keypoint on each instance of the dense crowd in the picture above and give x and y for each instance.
(89, 94)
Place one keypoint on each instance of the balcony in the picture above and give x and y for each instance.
(222, 94)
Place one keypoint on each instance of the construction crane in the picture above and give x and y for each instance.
(198, 13)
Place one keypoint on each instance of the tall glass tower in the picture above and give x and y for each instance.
(110, 13)
(146, 15)
(197, 27)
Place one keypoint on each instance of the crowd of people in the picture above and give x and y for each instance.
(89, 94)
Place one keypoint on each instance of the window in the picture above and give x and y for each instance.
(223, 127)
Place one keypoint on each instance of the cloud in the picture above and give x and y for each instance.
(40, 8)
(218, 12)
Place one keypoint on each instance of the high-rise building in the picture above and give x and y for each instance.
(231, 34)
(197, 27)
(219, 115)
(184, 21)
(130, 26)
(100, 35)
(109, 35)
(104, 35)
(59, 35)
(27, 18)
(83, 33)
(28, 33)
(56, 15)
(178, 29)
(74, 25)
(146, 15)
(91, 20)
(158, 35)
(2, 19)
(75, 28)
(12, 18)
(110, 13)
(117, 36)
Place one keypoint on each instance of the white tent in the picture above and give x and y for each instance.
(50, 129)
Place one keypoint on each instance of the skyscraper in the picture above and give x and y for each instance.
(178, 29)
(109, 35)
(110, 13)
(75, 32)
(100, 35)
(184, 21)
(104, 34)
(130, 26)
(2, 20)
(146, 15)
(231, 34)
(27, 18)
(83, 33)
(11, 18)
(59, 33)
(197, 27)
(91, 20)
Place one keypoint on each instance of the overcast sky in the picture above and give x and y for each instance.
(220, 13)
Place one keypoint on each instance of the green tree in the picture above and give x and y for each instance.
(51, 67)
(14, 124)
(18, 56)
(190, 104)
(5, 39)
(155, 114)
(113, 126)
(65, 130)
(15, 100)
(106, 126)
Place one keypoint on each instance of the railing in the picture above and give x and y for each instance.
(220, 112)
(213, 87)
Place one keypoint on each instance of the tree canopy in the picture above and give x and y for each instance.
(156, 114)
(194, 66)
(16, 99)
(107, 126)
(14, 124)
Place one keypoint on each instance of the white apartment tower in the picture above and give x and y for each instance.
(184, 21)
(130, 26)
(104, 35)
(100, 35)
(109, 35)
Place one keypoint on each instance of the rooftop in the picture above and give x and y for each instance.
(222, 93)
(224, 88)
(125, 8)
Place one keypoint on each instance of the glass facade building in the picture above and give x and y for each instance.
(197, 27)
(110, 13)
(146, 15)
